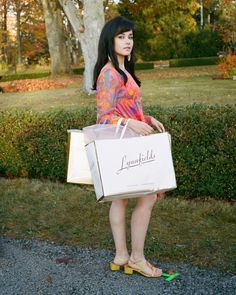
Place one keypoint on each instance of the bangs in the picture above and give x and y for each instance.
(125, 26)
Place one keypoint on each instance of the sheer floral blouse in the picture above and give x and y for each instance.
(116, 100)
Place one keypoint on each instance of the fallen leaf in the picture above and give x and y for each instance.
(64, 260)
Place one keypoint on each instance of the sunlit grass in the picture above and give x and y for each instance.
(201, 232)
(164, 87)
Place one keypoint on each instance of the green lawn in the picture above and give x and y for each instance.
(182, 91)
(201, 232)
(166, 88)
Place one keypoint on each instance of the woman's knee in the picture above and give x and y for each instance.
(122, 202)
(147, 201)
(125, 202)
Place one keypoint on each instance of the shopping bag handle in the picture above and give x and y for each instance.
(118, 124)
(124, 129)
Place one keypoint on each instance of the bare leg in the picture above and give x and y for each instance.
(139, 225)
(117, 221)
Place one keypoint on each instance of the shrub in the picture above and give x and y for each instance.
(78, 71)
(200, 43)
(200, 61)
(144, 66)
(203, 141)
(228, 66)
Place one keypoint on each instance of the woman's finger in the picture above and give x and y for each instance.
(160, 127)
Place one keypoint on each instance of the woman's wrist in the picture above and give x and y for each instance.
(150, 120)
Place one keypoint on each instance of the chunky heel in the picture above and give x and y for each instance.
(114, 267)
(128, 270)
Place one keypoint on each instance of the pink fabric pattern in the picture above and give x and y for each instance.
(116, 100)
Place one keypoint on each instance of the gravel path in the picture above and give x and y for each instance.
(34, 267)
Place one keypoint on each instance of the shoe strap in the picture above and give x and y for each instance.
(141, 268)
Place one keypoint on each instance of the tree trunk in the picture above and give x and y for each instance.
(87, 30)
(4, 37)
(93, 23)
(209, 18)
(60, 61)
(201, 13)
(18, 34)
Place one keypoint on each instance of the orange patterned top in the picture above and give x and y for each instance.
(116, 100)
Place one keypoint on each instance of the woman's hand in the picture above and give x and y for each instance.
(140, 127)
(157, 125)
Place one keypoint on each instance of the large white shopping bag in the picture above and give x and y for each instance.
(78, 170)
(131, 167)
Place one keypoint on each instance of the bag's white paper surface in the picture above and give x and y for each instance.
(131, 167)
(78, 167)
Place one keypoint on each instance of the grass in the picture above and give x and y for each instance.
(165, 87)
(198, 232)
(182, 91)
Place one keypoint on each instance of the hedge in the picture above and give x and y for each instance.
(138, 66)
(76, 71)
(13, 77)
(34, 145)
(144, 66)
(199, 61)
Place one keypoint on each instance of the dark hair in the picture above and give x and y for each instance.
(112, 28)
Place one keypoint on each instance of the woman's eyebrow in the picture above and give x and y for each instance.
(125, 33)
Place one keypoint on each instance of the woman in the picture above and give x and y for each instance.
(118, 96)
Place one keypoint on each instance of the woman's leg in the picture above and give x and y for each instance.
(139, 225)
(117, 221)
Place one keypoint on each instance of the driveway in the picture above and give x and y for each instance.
(39, 267)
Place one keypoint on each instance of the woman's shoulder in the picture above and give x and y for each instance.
(108, 70)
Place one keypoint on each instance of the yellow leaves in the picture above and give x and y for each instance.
(193, 6)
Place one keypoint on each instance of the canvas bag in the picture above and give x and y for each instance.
(131, 167)
(78, 170)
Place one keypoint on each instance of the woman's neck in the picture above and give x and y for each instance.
(121, 61)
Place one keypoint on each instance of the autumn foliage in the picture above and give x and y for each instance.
(228, 66)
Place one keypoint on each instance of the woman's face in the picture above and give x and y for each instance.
(123, 43)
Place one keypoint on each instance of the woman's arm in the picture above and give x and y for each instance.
(108, 85)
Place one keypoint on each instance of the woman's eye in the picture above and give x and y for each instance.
(123, 37)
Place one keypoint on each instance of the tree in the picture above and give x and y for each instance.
(33, 32)
(60, 61)
(226, 23)
(20, 8)
(22, 31)
(87, 19)
(221, 16)
(162, 23)
(3, 31)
